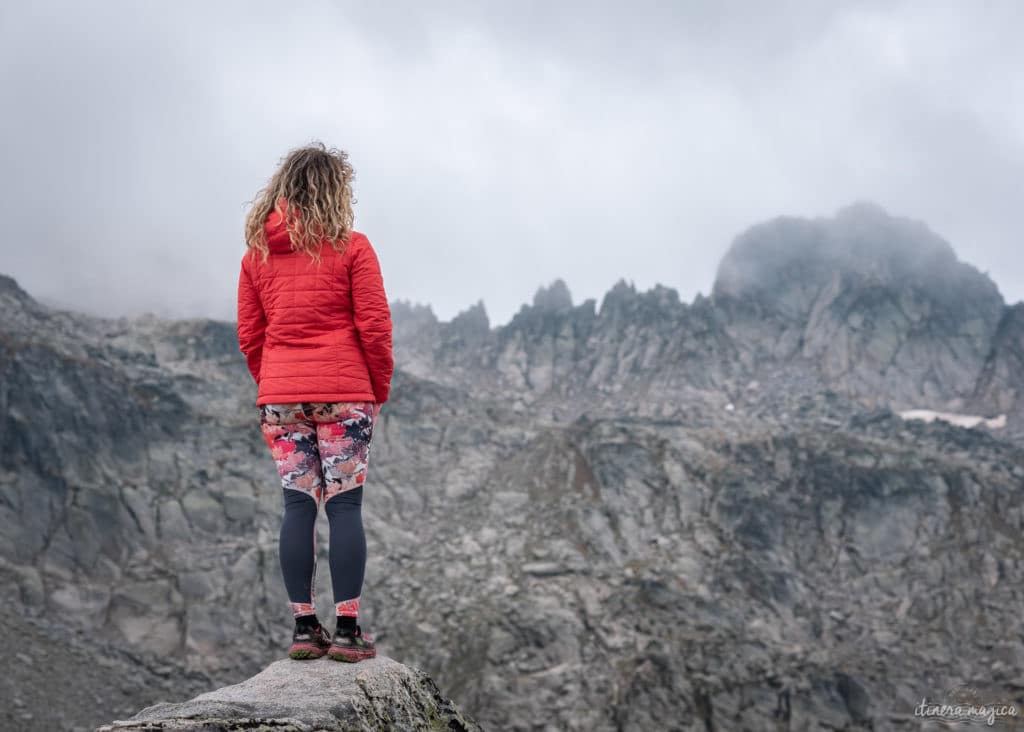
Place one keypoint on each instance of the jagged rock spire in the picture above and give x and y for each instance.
(553, 298)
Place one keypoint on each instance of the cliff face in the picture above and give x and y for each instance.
(627, 515)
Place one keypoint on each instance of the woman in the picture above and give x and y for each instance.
(315, 327)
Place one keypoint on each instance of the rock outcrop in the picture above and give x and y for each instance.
(299, 696)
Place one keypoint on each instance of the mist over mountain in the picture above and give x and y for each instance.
(633, 514)
(874, 307)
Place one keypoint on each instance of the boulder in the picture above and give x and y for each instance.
(289, 695)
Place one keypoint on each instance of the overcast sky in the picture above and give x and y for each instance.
(497, 146)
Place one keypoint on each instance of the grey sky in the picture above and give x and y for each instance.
(497, 146)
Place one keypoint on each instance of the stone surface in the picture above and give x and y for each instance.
(376, 694)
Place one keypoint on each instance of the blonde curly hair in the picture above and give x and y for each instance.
(312, 191)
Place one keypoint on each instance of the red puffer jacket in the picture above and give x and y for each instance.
(315, 334)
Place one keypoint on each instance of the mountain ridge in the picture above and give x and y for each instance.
(901, 322)
(844, 214)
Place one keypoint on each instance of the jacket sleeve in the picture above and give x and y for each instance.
(372, 318)
(252, 322)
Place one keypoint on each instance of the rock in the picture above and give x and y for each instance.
(554, 298)
(288, 695)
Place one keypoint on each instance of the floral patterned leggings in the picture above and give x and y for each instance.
(321, 450)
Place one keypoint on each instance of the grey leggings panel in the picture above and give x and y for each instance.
(348, 545)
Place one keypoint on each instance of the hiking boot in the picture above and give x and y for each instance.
(309, 642)
(352, 646)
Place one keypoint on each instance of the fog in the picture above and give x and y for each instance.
(496, 148)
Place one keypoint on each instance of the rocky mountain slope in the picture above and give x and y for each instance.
(647, 515)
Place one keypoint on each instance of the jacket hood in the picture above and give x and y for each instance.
(278, 239)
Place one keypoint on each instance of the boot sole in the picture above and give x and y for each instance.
(300, 653)
(352, 656)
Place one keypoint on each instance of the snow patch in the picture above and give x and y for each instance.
(960, 420)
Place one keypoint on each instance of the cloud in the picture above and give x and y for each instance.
(496, 147)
